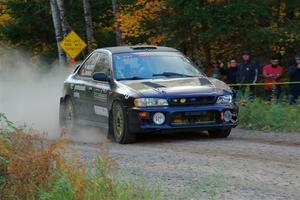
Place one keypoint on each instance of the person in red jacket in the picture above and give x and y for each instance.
(272, 73)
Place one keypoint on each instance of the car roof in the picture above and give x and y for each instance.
(138, 48)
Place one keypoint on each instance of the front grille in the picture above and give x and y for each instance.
(193, 118)
(202, 100)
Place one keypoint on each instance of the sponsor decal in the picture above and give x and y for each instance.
(101, 111)
(100, 94)
(79, 87)
(77, 95)
(101, 90)
(146, 54)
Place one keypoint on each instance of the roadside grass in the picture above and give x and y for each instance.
(38, 169)
(269, 116)
(213, 186)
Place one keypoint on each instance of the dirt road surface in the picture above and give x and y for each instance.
(247, 165)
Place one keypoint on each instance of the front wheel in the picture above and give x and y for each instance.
(221, 133)
(120, 129)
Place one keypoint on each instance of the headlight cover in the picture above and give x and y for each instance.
(149, 102)
(224, 99)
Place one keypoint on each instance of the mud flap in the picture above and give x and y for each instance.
(62, 113)
(110, 135)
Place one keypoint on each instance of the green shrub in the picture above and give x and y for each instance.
(269, 116)
(60, 190)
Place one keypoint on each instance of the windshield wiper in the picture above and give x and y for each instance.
(169, 74)
(131, 78)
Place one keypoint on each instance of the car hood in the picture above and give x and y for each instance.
(196, 86)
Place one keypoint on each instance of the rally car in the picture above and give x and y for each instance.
(132, 89)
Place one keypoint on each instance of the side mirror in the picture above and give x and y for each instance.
(101, 76)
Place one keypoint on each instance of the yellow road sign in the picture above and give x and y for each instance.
(72, 44)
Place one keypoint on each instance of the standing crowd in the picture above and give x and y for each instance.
(241, 75)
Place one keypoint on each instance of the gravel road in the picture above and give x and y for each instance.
(247, 165)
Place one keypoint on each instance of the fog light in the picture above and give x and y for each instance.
(182, 100)
(159, 118)
(227, 116)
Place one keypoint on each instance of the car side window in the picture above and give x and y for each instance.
(89, 66)
(102, 64)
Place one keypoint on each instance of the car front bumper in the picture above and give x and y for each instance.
(186, 116)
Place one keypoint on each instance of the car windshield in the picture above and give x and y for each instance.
(152, 65)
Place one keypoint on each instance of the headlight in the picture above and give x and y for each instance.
(225, 99)
(148, 102)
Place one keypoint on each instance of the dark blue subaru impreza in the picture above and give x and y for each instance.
(133, 89)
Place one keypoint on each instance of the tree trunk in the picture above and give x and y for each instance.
(58, 31)
(88, 23)
(64, 23)
(281, 12)
(63, 20)
(117, 31)
(194, 38)
(195, 50)
(207, 52)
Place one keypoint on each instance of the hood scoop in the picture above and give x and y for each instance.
(204, 81)
(153, 85)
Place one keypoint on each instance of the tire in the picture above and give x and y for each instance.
(120, 129)
(220, 133)
(67, 116)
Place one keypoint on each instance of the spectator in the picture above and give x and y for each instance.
(272, 73)
(247, 72)
(214, 70)
(231, 75)
(294, 74)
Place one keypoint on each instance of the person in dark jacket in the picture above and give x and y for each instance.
(294, 74)
(231, 75)
(247, 72)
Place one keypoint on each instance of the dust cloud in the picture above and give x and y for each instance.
(30, 91)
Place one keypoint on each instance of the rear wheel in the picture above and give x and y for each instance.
(120, 129)
(67, 115)
(220, 133)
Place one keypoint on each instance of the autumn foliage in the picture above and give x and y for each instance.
(4, 16)
(130, 21)
(203, 30)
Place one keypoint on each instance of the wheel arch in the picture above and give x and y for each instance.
(64, 98)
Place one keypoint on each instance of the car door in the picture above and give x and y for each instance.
(82, 89)
(101, 90)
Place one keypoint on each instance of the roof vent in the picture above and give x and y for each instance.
(143, 47)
